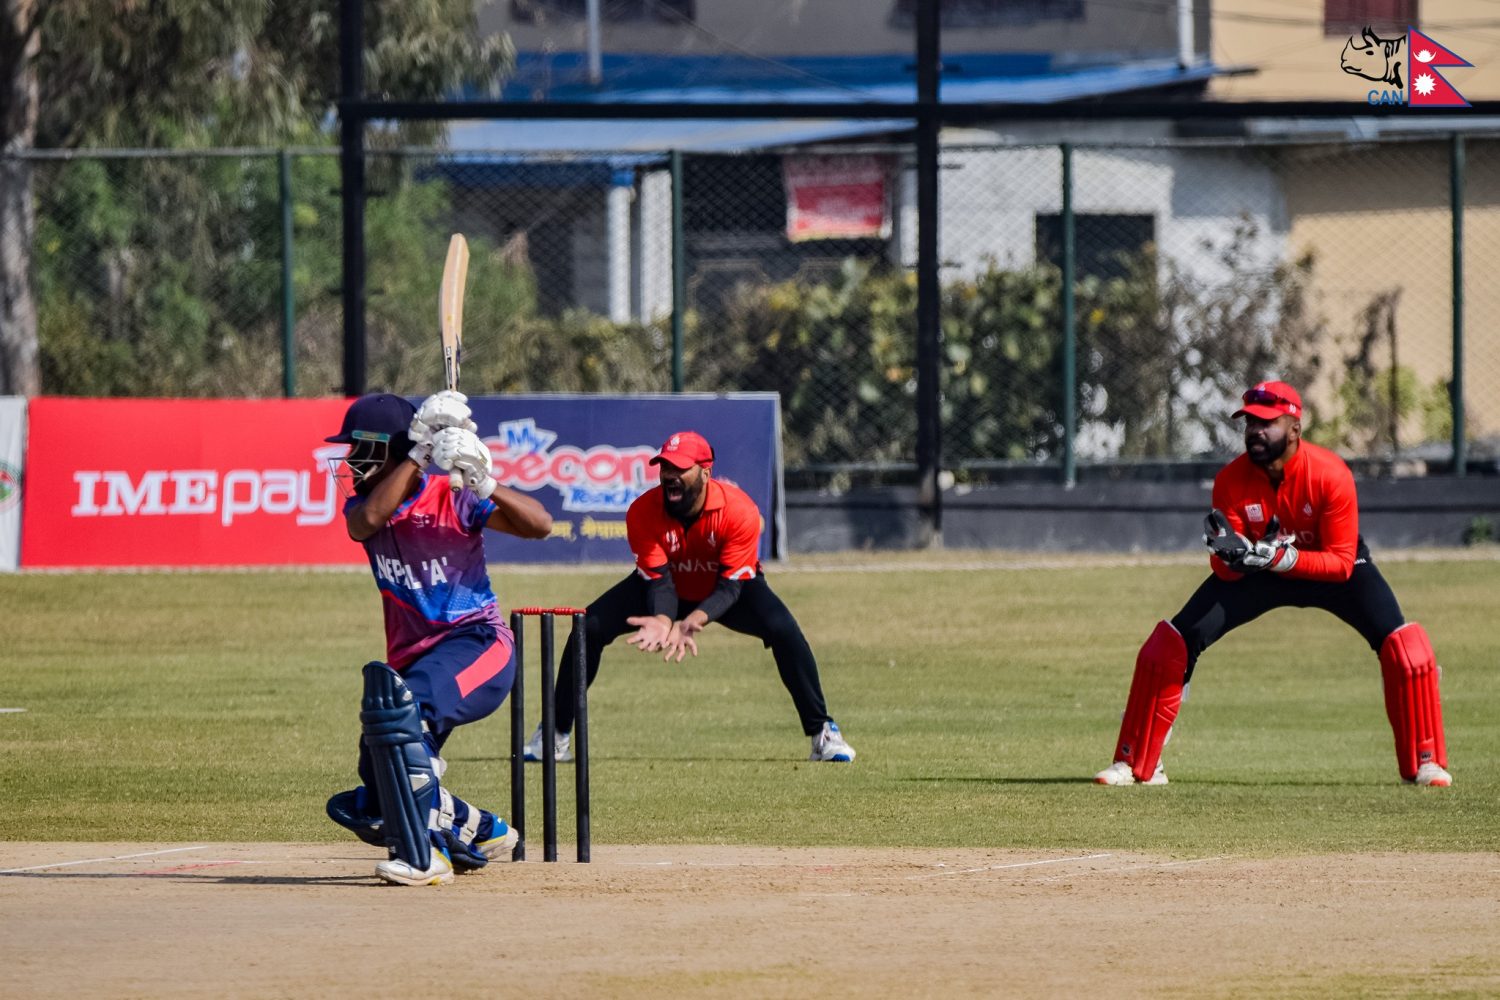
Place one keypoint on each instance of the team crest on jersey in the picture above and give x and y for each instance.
(1254, 512)
(1307, 509)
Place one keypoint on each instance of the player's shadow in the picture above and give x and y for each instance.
(564, 767)
(1073, 779)
(999, 779)
(351, 881)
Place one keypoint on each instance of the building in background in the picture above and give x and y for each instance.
(593, 214)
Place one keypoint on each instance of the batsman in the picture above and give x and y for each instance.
(1284, 532)
(449, 657)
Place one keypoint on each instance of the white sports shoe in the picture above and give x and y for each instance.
(1433, 776)
(499, 848)
(398, 872)
(1119, 773)
(829, 744)
(562, 747)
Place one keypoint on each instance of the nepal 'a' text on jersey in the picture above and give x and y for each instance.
(1315, 502)
(724, 541)
(428, 562)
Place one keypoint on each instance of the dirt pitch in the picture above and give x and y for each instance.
(303, 920)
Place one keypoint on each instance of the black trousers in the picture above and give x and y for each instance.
(1364, 602)
(758, 612)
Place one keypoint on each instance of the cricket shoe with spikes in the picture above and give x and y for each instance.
(1119, 773)
(1432, 776)
(397, 872)
(561, 747)
(829, 744)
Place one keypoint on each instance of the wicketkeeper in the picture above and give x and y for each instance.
(1284, 532)
(696, 544)
(449, 657)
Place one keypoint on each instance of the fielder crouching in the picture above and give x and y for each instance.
(450, 658)
(1299, 501)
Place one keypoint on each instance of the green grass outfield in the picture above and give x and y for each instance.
(223, 706)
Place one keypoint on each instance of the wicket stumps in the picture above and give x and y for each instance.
(549, 759)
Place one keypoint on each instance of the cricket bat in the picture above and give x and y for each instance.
(451, 320)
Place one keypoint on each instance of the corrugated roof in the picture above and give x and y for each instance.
(472, 138)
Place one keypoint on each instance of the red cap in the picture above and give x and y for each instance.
(1270, 400)
(684, 450)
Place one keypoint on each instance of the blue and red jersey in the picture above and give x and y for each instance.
(428, 562)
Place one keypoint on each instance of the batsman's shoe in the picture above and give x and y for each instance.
(398, 872)
(1433, 776)
(499, 841)
(562, 747)
(1119, 773)
(829, 744)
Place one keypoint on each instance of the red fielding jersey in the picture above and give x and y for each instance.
(1315, 502)
(723, 542)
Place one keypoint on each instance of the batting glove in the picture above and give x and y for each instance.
(449, 408)
(421, 452)
(457, 449)
(482, 487)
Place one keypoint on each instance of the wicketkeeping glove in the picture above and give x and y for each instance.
(1272, 552)
(1241, 554)
(1226, 543)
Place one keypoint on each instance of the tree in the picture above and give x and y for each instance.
(193, 74)
(19, 43)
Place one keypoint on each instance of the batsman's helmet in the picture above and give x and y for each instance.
(375, 428)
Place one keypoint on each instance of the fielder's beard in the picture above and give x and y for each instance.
(1263, 451)
(682, 506)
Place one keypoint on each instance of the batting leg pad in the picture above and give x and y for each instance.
(1155, 696)
(1410, 671)
(352, 810)
(405, 779)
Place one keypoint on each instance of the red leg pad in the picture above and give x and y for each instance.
(1155, 696)
(1410, 671)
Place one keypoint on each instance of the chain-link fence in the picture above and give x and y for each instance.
(1198, 267)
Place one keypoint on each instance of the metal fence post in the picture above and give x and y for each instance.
(679, 271)
(1456, 174)
(288, 301)
(1069, 331)
(352, 190)
(929, 443)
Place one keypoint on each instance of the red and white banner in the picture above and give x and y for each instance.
(837, 197)
(12, 473)
(179, 482)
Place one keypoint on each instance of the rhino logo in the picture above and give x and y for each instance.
(1375, 58)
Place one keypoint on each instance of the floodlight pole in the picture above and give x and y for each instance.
(929, 290)
(352, 190)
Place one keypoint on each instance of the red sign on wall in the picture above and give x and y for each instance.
(836, 197)
(177, 482)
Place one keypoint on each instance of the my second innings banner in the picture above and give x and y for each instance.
(181, 482)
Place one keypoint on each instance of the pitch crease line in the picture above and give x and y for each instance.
(1018, 864)
(1154, 865)
(95, 861)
